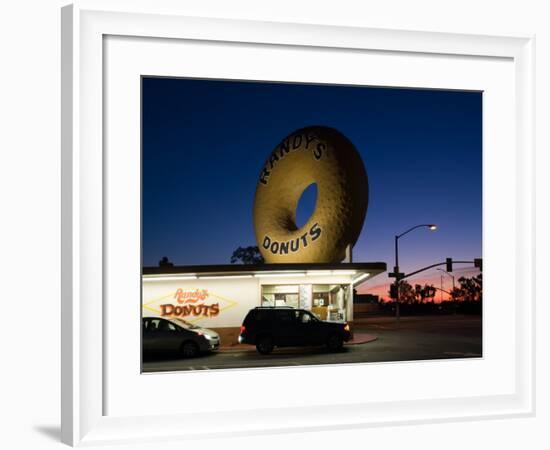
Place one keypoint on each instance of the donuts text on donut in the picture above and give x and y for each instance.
(294, 245)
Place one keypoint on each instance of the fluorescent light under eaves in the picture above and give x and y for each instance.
(279, 275)
(330, 272)
(317, 273)
(173, 278)
(222, 277)
(360, 277)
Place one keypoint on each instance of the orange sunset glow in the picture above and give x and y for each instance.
(381, 285)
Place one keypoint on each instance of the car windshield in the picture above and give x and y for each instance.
(184, 324)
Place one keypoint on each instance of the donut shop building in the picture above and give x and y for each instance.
(219, 297)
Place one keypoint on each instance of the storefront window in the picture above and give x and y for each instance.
(281, 295)
(330, 301)
(326, 301)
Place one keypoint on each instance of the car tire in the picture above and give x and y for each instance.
(264, 345)
(189, 349)
(335, 342)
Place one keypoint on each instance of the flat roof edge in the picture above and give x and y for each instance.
(238, 268)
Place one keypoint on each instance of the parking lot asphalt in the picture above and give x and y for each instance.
(413, 338)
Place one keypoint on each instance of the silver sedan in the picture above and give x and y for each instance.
(172, 335)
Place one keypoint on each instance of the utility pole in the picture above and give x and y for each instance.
(449, 264)
(397, 274)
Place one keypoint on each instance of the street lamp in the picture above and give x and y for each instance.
(398, 276)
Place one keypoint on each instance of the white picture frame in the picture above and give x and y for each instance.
(85, 419)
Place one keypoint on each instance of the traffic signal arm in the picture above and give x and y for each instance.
(441, 264)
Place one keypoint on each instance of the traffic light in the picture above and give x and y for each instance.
(393, 291)
(478, 262)
(449, 262)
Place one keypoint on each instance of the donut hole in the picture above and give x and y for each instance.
(306, 205)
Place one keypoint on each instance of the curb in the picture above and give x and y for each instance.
(362, 338)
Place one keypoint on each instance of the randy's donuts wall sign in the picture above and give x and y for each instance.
(191, 303)
(319, 155)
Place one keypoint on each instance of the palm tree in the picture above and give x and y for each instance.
(424, 292)
(419, 293)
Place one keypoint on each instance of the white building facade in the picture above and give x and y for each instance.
(219, 297)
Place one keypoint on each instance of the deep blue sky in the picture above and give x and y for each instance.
(204, 144)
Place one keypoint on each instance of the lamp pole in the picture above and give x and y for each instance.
(450, 274)
(454, 287)
(398, 275)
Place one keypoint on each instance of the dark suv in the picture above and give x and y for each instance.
(269, 327)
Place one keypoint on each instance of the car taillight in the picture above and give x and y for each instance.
(243, 329)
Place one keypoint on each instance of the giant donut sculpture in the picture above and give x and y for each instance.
(320, 155)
